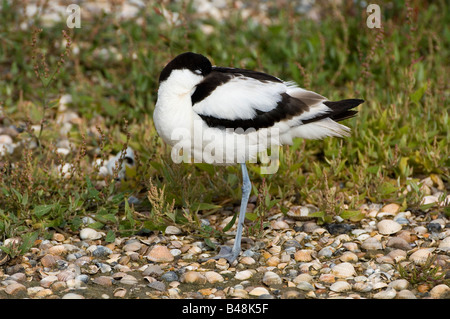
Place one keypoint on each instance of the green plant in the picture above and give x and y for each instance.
(427, 273)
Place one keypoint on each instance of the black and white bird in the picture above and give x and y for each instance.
(223, 115)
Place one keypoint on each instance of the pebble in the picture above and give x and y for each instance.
(271, 278)
(213, 277)
(90, 234)
(388, 227)
(441, 291)
(305, 286)
(420, 256)
(389, 293)
(14, 288)
(193, 277)
(399, 284)
(169, 276)
(243, 275)
(72, 295)
(340, 286)
(303, 255)
(160, 254)
(302, 260)
(258, 291)
(343, 270)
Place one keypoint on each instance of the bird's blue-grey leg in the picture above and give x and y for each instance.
(226, 252)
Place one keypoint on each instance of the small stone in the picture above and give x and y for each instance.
(348, 256)
(305, 286)
(389, 293)
(390, 208)
(213, 277)
(89, 234)
(405, 294)
(133, 246)
(291, 294)
(128, 280)
(157, 285)
(372, 243)
(399, 284)
(44, 293)
(303, 255)
(247, 260)
(48, 281)
(48, 261)
(398, 243)
(388, 227)
(58, 237)
(239, 293)
(279, 224)
(172, 230)
(193, 277)
(326, 252)
(57, 250)
(15, 288)
(441, 291)
(327, 278)
(153, 270)
(104, 281)
(258, 291)
(243, 275)
(419, 257)
(273, 261)
(271, 278)
(343, 270)
(340, 286)
(71, 295)
(445, 244)
(120, 292)
(101, 251)
(303, 277)
(160, 254)
(170, 276)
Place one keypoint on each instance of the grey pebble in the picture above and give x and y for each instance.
(170, 276)
(102, 251)
(157, 285)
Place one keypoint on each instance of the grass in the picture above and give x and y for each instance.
(110, 68)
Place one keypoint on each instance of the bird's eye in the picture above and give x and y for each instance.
(199, 72)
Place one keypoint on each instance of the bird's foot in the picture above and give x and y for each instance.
(227, 253)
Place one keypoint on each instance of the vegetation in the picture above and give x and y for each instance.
(110, 68)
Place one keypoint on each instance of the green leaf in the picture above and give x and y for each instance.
(353, 215)
(418, 94)
(41, 210)
(110, 237)
(230, 224)
(204, 206)
(209, 243)
(92, 192)
(28, 241)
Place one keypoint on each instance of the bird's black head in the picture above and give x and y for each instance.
(197, 63)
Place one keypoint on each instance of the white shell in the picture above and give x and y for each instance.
(445, 244)
(271, 278)
(343, 270)
(372, 244)
(258, 291)
(340, 286)
(90, 234)
(420, 256)
(243, 275)
(388, 227)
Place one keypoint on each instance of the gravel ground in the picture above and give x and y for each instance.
(293, 260)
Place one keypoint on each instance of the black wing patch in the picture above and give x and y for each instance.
(286, 109)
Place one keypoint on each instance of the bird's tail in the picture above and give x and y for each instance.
(340, 110)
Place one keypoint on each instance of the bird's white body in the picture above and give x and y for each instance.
(227, 115)
(179, 124)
